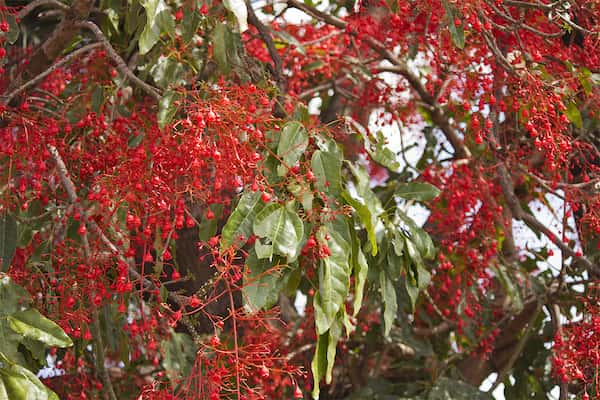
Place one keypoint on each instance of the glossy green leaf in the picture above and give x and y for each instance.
(335, 333)
(179, 354)
(238, 228)
(383, 155)
(390, 302)
(225, 48)
(367, 217)
(31, 324)
(18, 383)
(334, 279)
(239, 10)
(190, 23)
(292, 143)
(208, 227)
(12, 297)
(291, 40)
(450, 389)
(168, 72)
(327, 169)
(574, 115)
(418, 236)
(457, 33)
(13, 29)
(167, 108)
(8, 239)
(319, 363)
(97, 98)
(361, 270)
(262, 283)
(154, 19)
(419, 191)
(282, 227)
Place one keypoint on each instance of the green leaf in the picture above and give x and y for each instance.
(208, 227)
(419, 237)
(367, 217)
(293, 143)
(335, 332)
(8, 239)
(12, 297)
(282, 227)
(239, 10)
(311, 66)
(450, 389)
(167, 108)
(290, 39)
(135, 140)
(512, 290)
(239, 223)
(361, 269)
(262, 283)
(13, 29)
(319, 363)
(179, 356)
(303, 194)
(190, 24)
(390, 301)
(574, 115)
(334, 279)
(18, 383)
(419, 191)
(225, 48)
(155, 22)
(168, 72)
(456, 32)
(33, 325)
(383, 155)
(327, 169)
(97, 98)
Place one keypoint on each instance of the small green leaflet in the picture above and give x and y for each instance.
(261, 285)
(239, 224)
(167, 107)
(33, 325)
(158, 18)
(319, 363)
(574, 115)
(327, 169)
(282, 227)
(8, 239)
(419, 191)
(18, 383)
(292, 143)
(334, 279)
(456, 32)
(390, 301)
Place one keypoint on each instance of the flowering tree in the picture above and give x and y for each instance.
(299, 199)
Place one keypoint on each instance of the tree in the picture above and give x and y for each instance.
(177, 176)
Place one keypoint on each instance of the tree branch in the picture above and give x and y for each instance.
(121, 64)
(437, 115)
(40, 77)
(265, 35)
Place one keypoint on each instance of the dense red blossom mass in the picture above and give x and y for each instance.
(171, 187)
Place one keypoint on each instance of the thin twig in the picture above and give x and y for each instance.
(38, 3)
(121, 64)
(38, 78)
